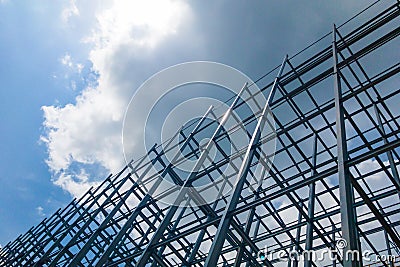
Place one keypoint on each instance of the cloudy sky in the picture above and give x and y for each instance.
(69, 68)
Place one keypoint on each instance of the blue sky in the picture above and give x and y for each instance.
(68, 69)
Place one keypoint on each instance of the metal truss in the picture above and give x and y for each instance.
(334, 174)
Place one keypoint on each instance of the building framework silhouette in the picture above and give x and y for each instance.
(335, 173)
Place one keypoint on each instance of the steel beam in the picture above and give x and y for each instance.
(225, 222)
(186, 186)
(146, 199)
(389, 154)
(302, 112)
(349, 225)
(311, 207)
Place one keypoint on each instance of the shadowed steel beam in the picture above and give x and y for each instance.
(94, 236)
(249, 220)
(35, 248)
(171, 211)
(83, 251)
(299, 102)
(389, 154)
(146, 198)
(173, 229)
(311, 207)
(391, 231)
(298, 232)
(255, 232)
(334, 240)
(218, 242)
(296, 246)
(200, 237)
(349, 228)
(388, 248)
(57, 243)
(86, 225)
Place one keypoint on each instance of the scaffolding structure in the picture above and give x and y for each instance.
(334, 176)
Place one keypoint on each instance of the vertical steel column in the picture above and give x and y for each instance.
(223, 227)
(311, 207)
(297, 240)
(104, 258)
(255, 232)
(334, 241)
(349, 228)
(186, 186)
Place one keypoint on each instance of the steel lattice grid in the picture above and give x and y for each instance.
(274, 215)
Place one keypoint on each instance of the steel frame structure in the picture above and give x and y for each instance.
(334, 174)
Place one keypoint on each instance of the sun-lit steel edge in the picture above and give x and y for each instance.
(334, 174)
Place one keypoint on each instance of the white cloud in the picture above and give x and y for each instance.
(73, 72)
(139, 23)
(79, 67)
(69, 11)
(66, 60)
(40, 212)
(89, 131)
(86, 132)
(76, 185)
